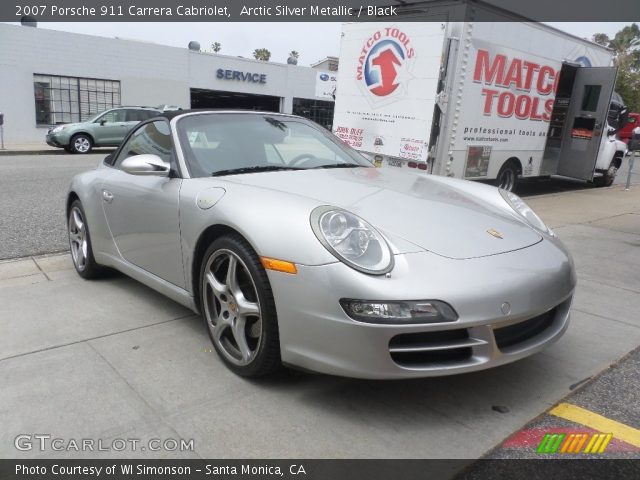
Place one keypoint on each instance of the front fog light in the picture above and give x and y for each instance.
(420, 311)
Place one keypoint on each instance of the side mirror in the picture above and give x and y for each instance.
(102, 122)
(147, 165)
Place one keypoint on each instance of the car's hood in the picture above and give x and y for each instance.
(437, 214)
(65, 125)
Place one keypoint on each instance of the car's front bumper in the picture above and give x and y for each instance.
(57, 140)
(537, 283)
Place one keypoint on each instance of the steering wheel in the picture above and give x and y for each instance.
(300, 158)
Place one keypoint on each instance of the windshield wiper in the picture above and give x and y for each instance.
(340, 165)
(256, 169)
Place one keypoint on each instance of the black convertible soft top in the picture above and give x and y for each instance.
(169, 114)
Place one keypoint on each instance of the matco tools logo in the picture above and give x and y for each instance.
(385, 61)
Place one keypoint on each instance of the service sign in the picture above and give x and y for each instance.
(388, 82)
(326, 83)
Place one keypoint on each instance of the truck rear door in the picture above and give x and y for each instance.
(586, 121)
(387, 87)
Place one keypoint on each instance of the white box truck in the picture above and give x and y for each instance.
(479, 100)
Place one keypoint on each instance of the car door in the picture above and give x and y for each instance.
(142, 211)
(111, 127)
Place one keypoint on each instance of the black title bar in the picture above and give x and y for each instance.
(316, 10)
(318, 469)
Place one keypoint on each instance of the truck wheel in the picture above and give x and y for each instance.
(508, 177)
(607, 179)
(81, 143)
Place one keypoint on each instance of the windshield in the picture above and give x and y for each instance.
(228, 144)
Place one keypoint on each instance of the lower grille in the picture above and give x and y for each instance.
(431, 349)
(512, 335)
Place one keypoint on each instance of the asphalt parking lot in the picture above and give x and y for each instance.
(113, 359)
(32, 195)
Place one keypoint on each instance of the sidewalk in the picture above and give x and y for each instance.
(40, 148)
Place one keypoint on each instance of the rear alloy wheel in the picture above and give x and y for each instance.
(81, 143)
(80, 243)
(238, 308)
(507, 177)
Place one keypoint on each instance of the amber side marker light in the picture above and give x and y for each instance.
(278, 265)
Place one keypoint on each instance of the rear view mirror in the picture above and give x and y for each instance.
(147, 165)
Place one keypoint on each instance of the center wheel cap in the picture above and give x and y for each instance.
(232, 307)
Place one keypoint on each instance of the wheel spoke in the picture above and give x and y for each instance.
(247, 308)
(77, 219)
(218, 288)
(232, 276)
(240, 338)
(81, 254)
(219, 328)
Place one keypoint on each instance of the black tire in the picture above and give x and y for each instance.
(264, 350)
(68, 149)
(88, 268)
(81, 143)
(507, 178)
(607, 179)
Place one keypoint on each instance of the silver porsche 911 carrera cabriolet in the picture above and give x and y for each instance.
(297, 251)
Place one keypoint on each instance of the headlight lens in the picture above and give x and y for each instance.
(425, 311)
(525, 211)
(59, 128)
(352, 240)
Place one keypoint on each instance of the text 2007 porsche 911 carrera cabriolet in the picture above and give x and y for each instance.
(296, 250)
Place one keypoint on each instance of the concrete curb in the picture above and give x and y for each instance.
(32, 152)
(52, 151)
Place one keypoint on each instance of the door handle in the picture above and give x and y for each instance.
(107, 196)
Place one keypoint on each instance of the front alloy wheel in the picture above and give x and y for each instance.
(81, 143)
(238, 308)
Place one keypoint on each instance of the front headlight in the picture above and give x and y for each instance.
(525, 211)
(59, 128)
(352, 240)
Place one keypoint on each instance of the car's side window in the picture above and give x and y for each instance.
(154, 138)
(140, 115)
(114, 116)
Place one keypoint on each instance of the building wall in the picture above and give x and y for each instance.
(150, 74)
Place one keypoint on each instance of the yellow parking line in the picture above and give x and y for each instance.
(597, 422)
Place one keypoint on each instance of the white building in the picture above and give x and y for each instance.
(49, 77)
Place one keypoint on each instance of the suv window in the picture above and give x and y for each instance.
(140, 115)
(113, 116)
(154, 138)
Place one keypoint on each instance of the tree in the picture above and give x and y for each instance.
(216, 47)
(626, 47)
(262, 54)
(293, 57)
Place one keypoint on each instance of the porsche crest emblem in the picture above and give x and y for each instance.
(495, 233)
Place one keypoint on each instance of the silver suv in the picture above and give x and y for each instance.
(106, 129)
